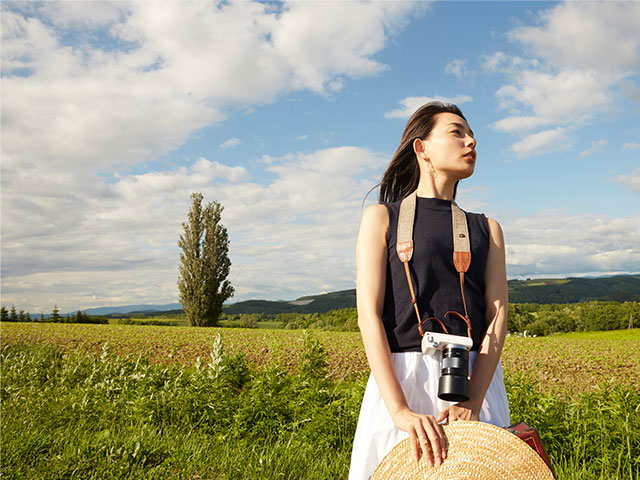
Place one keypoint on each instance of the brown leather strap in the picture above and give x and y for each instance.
(413, 295)
(465, 319)
(431, 318)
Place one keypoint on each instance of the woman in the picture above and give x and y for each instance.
(436, 152)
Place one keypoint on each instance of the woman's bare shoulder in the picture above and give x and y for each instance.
(377, 211)
(376, 217)
(495, 230)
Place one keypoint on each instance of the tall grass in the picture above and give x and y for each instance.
(77, 417)
(587, 435)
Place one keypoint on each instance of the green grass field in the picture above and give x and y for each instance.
(126, 401)
(559, 361)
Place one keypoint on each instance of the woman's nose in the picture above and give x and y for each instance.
(471, 141)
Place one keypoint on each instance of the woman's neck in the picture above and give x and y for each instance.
(433, 187)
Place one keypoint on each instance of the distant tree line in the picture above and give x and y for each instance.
(79, 317)
(339, 320)
(535, 319)
(544, 319)
(133, 321)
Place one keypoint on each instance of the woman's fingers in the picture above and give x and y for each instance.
(417, 447)
(427, 435)
(443, 415)
(424, 447)
(428, 440)
(437, 443)
(460, 412)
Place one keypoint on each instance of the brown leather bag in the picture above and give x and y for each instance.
(530, 436)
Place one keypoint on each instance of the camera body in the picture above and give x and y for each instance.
(453, 385)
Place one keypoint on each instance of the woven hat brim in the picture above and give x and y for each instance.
(476, 450)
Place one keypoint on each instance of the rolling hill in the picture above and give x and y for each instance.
(618, 288)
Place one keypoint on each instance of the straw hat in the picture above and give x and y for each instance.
(476, 451)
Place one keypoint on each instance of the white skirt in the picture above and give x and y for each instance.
(418, 374)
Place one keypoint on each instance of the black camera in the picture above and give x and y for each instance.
(453, 385)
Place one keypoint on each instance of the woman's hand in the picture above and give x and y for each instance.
(460, 411)
(427, 436)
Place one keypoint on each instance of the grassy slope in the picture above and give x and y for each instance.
(82, 417)
(558, 362)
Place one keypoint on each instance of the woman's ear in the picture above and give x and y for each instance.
(420, 149)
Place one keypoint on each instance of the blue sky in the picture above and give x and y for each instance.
(288, 113)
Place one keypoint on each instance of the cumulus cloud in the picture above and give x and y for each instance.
(163, 74)
(410, 104)
(232, 142)
(501, 62)
(568, 97)
(542, 142)
(632, 180)
(457, 67)
(557, 244)
(584, 34)
(582, 54)
(595, 146)
(311, 36)
(289, 237)
(519, 123)
(79, 115)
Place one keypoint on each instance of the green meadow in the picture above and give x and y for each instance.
(147, 402)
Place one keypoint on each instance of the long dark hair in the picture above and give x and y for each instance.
(403, 174)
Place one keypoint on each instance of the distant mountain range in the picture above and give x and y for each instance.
(132, 309)
(619, 288)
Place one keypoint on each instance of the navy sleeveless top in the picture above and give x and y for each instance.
(435, 279)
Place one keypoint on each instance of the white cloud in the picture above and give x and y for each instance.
(631, 146)
(411, 104)
(582, 35)
(292, 236)
(322, 40)
(232, 142)
(556, 244)
(167, 75)
(542, 142)
(595, 146)
(501, 62)
(457, 67)
(519, 123)
(84, 12)
(77, 116)
(630, 90)
(632, 180)
(565, 97)
(582, 55)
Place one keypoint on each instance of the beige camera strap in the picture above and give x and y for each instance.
(461, 251)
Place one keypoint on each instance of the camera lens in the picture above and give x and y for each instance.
(454, 377)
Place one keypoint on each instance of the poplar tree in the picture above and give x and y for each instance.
(204, 263)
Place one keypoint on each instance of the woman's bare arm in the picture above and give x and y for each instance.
(371, 263)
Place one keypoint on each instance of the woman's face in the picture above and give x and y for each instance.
(450, 148)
